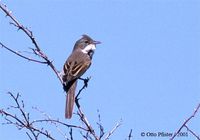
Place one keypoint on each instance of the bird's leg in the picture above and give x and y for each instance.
(85, 80)
(64, 87)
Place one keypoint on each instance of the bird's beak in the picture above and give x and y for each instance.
(96, 42)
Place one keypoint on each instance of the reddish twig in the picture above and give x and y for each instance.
(23, 122)
(20, 55)
(29, 33)
(19, 26)
(58, 122)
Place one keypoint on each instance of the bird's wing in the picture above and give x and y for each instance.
(76, 65)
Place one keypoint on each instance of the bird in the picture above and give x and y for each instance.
(75, 66)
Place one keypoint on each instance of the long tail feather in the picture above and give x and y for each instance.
(70, 100)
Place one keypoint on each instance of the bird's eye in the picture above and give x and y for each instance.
(86, 42)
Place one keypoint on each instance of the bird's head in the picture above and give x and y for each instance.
(86, 44)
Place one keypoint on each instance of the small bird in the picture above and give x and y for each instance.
(75, 66)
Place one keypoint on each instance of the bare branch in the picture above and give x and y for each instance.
(55, 121)
(186, 121)
(101, 128)
(113, 130)
(29, 33)
(23, 122)
(130, 135)
(86, 80)
(20, 55)
(80, 112)
(192, 132)
(19, 26)
(71, 134)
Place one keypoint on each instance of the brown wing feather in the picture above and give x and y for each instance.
(76, 65)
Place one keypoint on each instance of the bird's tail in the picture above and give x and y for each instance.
(70, 100)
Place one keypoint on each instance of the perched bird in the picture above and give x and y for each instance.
(75, 66)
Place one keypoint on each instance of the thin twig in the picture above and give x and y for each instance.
(80, 112)
(192, 132)
(19, 26)
(112, 131)
(29, 33)
(101, 128)
(71, 134)
(130, 135)
(186, 121)
(86, 80)
(49, 119)
(23, 122)
(17, 53)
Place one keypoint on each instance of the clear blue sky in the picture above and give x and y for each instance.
(146, 71)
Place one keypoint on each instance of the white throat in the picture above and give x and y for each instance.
(88, 48)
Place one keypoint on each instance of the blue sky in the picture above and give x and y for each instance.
(146, 71)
